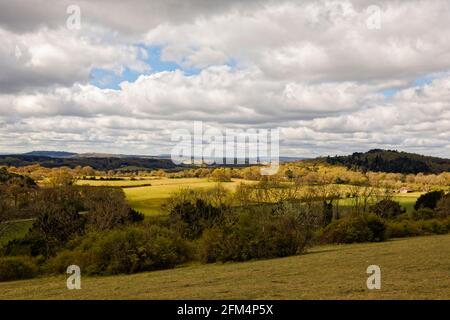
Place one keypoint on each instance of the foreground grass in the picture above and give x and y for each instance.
(414, 268)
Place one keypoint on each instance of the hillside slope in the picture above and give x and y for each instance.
(392, 161)
(98, 163)
(414, 268)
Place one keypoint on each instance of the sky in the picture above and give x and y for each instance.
(335, 77)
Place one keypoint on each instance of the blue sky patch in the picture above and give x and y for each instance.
(107, 79)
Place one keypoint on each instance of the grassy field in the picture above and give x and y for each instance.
(408, 200)
(148, 199)
(118, 183)
(414, 268)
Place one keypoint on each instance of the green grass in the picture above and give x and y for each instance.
(408, 200)
(414, 268)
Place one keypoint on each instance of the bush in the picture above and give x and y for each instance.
(17, 268)
(129, 250)
(443, 207)
(387, 209)
(363, 228)
(423, 214)
(247, 236)
(31, 245)
(429, 200)
(409, 228)
(191, 212)
(135, 216)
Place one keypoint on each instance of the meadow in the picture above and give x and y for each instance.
(148, 199)
(411, 268)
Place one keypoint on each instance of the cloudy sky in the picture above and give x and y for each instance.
(334, 76)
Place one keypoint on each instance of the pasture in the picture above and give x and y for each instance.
(411, 268)
(147, 195)
(148, 199)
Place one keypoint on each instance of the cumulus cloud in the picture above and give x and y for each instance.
(312, 68)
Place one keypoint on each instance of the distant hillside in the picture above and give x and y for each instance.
(51, 154)
(65, 154)
(392, 161)
(98, 163)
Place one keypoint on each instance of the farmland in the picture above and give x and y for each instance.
(413, 268)
(147, 195)
(148, 199)
(171, 258)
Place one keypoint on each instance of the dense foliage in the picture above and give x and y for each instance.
(98, 163)
(95, 228)
(429, 200)
(392, 161)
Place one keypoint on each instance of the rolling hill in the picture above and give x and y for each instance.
(392, 161)
(98, 163)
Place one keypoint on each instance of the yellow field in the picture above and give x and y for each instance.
(412, 268)
(148, 199)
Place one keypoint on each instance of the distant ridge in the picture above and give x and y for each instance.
(65, 154)
(392, 161)
(378, 160)
(98, 163)
(51, 154)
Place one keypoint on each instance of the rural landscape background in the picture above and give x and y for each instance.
(96, 97)
(131, 220)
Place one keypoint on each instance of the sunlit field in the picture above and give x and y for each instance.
(148, 199)
(147, 195)
(408, 200)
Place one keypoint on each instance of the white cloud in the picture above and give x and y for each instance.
(312, 68)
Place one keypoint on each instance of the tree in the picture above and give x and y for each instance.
(56, 223)
(61, 177)
(106, 209)
(443, 206)
(387, 209)
(221, 175)
(429, 200)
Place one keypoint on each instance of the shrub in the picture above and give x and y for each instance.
(387, 209)
(429, 200)
(17, 268)
(443, 207)
(409, 228)
(31, 245)
(129, 250)
(135, 216)
(55, 225)
(250, 235)
(423, 214)
(361, 228)
(194, 211)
